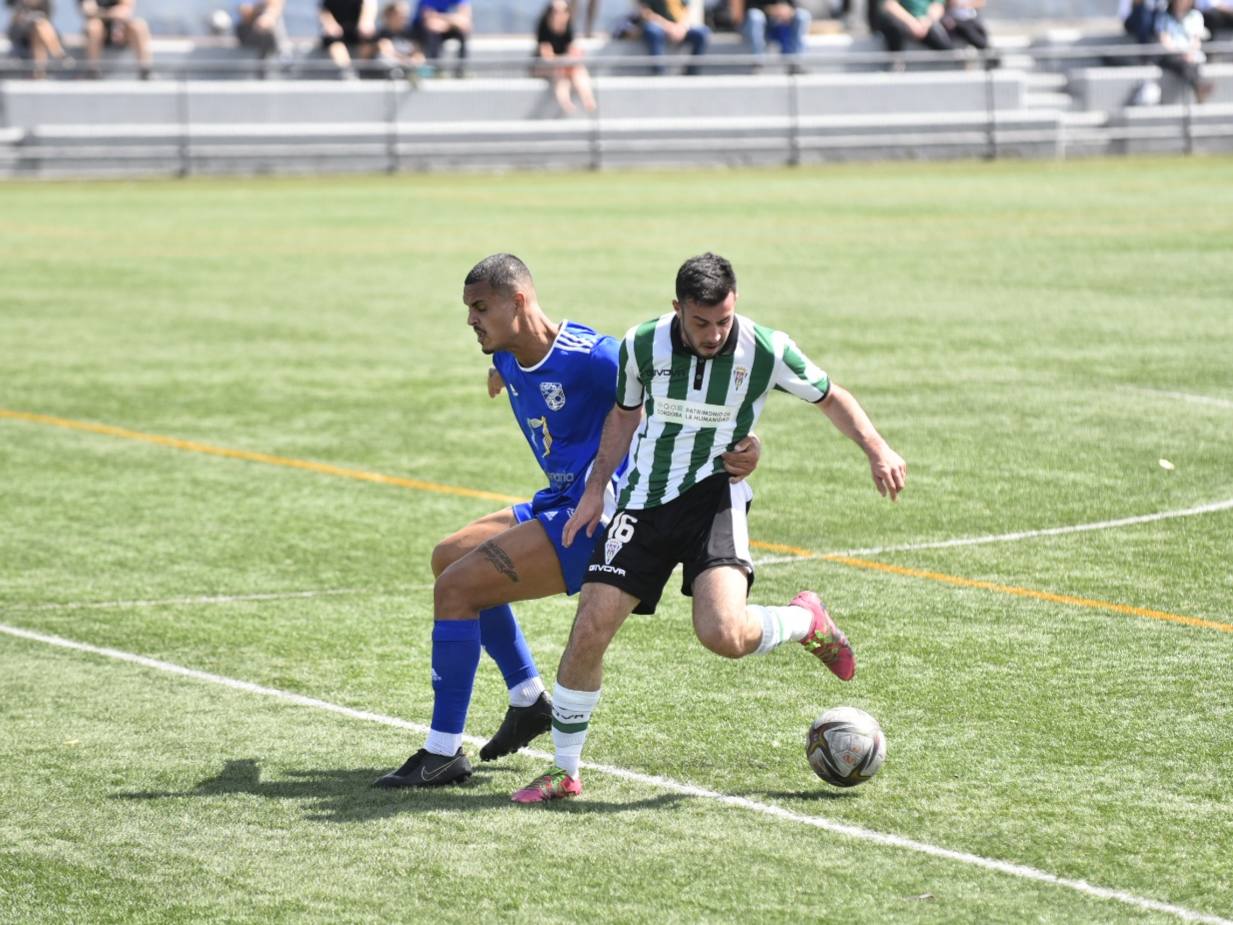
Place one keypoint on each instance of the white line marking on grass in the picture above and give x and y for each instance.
(1189, 396)
(212, 599)
(1213, 507)
(780, 560)
(663, 783)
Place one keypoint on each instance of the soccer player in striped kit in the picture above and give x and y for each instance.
(561, 379)
(702, 374)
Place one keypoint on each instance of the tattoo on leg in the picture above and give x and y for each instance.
(500, 561)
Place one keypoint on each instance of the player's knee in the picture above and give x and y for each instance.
(587, 640)
(723, 639)
(452, 597)
(444, 554)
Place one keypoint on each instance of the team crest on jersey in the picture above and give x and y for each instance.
(738, 376)
(554, 395)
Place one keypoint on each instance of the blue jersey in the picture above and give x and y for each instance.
(560, 404)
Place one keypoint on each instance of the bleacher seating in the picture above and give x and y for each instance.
(1051, 93)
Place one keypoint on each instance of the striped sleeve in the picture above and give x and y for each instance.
(796, 373)
(629, 390)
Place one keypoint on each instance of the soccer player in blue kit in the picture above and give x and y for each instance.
(561, 379)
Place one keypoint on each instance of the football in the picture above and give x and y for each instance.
(845, 746)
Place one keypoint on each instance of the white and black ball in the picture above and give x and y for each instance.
(845, 746)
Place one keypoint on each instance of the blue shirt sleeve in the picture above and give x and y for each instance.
(604, 367)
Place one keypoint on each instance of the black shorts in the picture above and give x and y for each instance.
(705, 527)
(115, 32)
(21, 28)
(350, 37)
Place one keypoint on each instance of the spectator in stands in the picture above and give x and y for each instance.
(32, 35)
(1217, 14)
(560, 57)
(348, 31)
(396, 29)
(112, 24)
(963, 22)
(920, 20)
(438, 21)
(782, 21)
(259, 25)
(1138, 18)
(667, 21)
(1179, 28)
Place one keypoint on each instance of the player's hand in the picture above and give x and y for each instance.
(890, 472)
(586, 516)
(495, 382)
(743, 458)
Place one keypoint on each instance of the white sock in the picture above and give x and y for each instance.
(443, 743)
(527, 692)
(571, 715)
(780, 625)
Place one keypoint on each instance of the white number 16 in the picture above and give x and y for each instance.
(622, 529)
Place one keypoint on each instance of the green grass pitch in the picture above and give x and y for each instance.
(1032, 337)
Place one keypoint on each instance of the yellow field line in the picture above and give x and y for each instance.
(786, 550)
(418, 485)
(195, 447)
(1028, 592)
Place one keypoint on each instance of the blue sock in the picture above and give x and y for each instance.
(502, 638)
(455, 658)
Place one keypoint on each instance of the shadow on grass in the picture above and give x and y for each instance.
(805, 796)
(347, 794)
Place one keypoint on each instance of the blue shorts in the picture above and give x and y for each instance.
(573, 559)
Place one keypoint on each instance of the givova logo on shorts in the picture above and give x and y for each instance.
(620, 532)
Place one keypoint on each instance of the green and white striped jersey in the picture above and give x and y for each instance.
(697, 409)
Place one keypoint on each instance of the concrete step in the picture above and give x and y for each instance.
(1035, 100)
(671, 99)
(1110, 89)
(1039, 82)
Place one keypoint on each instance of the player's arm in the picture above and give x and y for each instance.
(890, 472)
(619, 427)
(495, 382)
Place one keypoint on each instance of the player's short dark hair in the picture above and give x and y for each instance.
(706, 279)
(503, 272)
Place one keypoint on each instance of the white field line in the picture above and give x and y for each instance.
(662, 783)
(1188, 396)
(209, 599)
(1226, 504)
